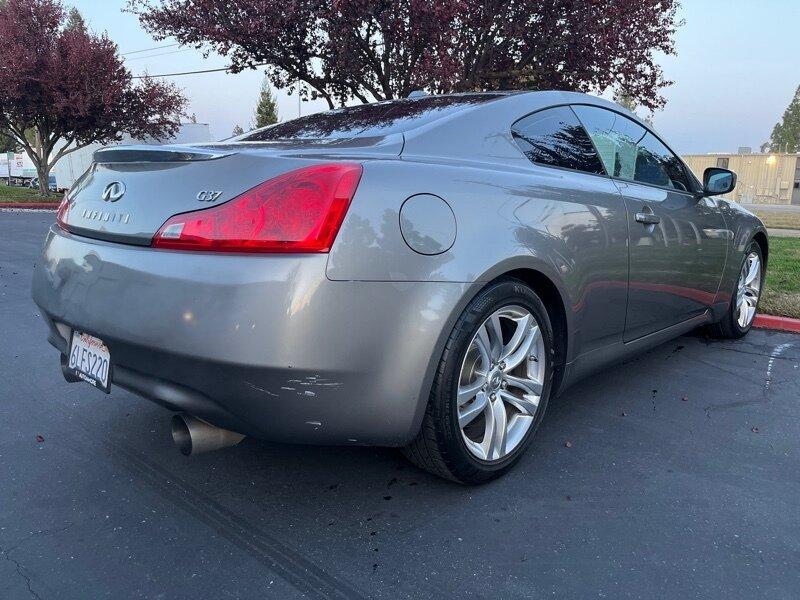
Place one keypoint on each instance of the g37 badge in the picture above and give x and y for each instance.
(208, 195)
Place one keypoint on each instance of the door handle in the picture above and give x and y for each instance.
(648, 218)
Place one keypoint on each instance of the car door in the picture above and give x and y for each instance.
(583, 215)
(677, 241)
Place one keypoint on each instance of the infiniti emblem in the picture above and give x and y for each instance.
(495, 380)
(114, 191)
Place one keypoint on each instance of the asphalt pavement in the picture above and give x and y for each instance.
(671, 476)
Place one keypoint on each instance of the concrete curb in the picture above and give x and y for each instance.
(31, 205)
(777, 323)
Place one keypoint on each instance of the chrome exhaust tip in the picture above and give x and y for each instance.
(193, 436)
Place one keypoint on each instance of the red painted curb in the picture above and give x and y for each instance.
(777, 323)
(31, 205)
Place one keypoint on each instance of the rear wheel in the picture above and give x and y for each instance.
(491, 388)
(744, 303)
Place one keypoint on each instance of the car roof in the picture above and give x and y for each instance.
(482, 133)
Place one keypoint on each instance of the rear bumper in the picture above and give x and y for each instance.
(264, 345)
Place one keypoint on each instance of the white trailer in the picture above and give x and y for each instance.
(16, 167)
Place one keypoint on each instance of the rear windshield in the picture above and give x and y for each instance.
(369, 120)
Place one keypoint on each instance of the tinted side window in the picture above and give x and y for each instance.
(629, 151)
(554, 137)
(657, 165)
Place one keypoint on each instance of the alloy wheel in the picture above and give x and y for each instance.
(501, 382)
(748, 290)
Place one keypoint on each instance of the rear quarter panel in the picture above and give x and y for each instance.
(510, 215)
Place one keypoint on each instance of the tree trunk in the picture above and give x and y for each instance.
(43, 173)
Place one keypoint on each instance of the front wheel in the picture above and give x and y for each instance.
(744, 303)
(491, 389)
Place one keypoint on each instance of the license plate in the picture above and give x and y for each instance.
(90, 360)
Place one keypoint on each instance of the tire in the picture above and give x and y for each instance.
(729, 327)
(440, 446)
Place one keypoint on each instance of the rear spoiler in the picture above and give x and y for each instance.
(154, 154)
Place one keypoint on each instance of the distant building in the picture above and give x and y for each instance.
(75, 164)
(762, 178)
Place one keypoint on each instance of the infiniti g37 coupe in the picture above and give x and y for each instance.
(423, 273)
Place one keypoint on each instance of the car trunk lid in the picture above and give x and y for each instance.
(130, 191)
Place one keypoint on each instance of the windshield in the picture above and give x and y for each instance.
(369, 120)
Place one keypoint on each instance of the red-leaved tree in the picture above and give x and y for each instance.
(379, 49)
(63, 87)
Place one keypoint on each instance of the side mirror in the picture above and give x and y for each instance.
(718, 181)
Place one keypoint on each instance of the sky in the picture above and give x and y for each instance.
(736, 69)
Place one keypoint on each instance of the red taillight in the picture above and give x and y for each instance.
(299, 211)
(63, 209)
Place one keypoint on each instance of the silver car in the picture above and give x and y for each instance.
(423, 273)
